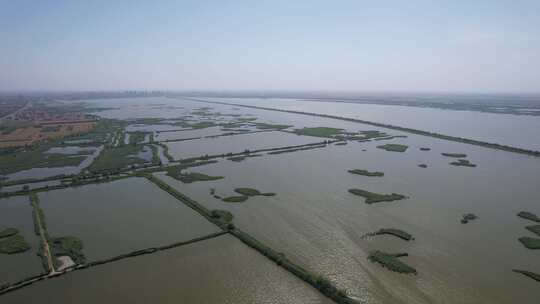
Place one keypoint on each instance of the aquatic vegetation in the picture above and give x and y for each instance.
(425, 149)
(391, 261)
(529, 216)
(534, 229)
(242, 157)
(319, 132)
(529, 242)
(394, 147)
(222, 215)
(8, 232)
(468, 217)
(462, 163)
(188, 178)
(235, 199)
(393, 231)
(68, 246)
(422, 165)
(112, 158)
(532, 275)
(455, 155)
(343, 143)
(267, 126)
(372, 197)
(137, 137)
(35, 157)
(13, 244)
(365, 172)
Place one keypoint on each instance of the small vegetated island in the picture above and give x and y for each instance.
(530, 274)
(468, 217)
(530, 242)
(534, 229)
(462, 163)
(425, 149)
(245, 193)
(191, 177)
(11, 242)
(67, 246)
(391, 261)
(394, 147)
(393, 231)
(529, 216)
(372, 197)
(454, 155)
(366, 172)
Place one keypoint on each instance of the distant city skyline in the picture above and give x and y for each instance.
(342, 46)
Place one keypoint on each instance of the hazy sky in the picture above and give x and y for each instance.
(408, 45)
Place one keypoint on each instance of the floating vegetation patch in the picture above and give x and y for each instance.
(391, 261)
(529, 216)
(235, 199)
(8, 232)
(365, 172)
(13, 244)
(422, 166)
(372, 197)
(188, 178)
(529, 242)
(222, 215)
(267, 126)
(393, 231)
(534, 229)
(252, 192)
(394, 147)
(425, 149)
(68, 246)
(532, 275)
(462, 163)
(468, 217)
(389, 137)
(319, 132)
(455, 155)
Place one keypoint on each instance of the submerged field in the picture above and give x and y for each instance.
(311, 218)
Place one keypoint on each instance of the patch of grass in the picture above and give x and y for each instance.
(13, 244)
(235, 199)
(455, 155)
(266, 126)
(191, 177)
(391, 262)
(529, 242)
(468, 217)
(532, 275)
(68, 245)
(534, 229)
(8, 232)
(113, 158)
(395, 232)
(394, 147)
(372, 197)
(319, 132)
(529, 216)
(365, 172)
(462, 163)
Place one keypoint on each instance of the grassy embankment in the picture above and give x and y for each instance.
(372, 197)
(394, 147)
(391, 261)
(366, 172)
(393, 231)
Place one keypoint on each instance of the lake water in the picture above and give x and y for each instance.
(514, 130)
(120, 217)
(219, 270)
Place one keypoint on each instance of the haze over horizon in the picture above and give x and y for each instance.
(449, 46)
